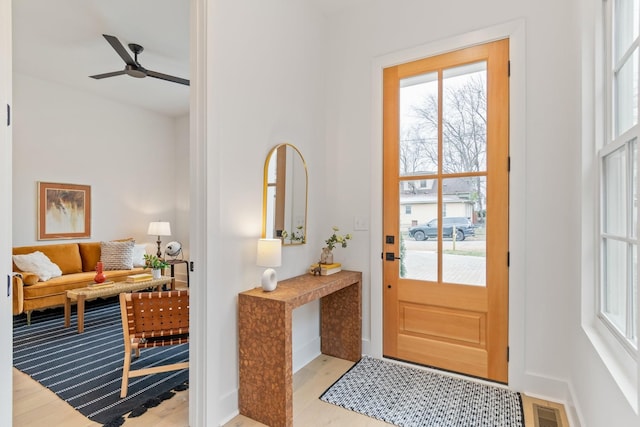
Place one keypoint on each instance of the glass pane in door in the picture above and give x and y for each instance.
(464, 243)
(464, 118)
(419, 229)
(419, 125)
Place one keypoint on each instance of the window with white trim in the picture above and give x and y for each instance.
(618, 163)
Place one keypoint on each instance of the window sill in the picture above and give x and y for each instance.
(621, 366)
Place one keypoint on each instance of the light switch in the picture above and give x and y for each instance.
(360, 223)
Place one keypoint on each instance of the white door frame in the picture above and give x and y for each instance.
(199, 379)
(515, 31)
(6, 311)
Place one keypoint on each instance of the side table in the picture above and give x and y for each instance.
(172, 263)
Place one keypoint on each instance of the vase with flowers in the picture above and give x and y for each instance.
(326, 257)
(156, 264)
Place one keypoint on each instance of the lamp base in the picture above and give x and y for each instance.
(269, 281)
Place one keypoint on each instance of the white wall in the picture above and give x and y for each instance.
(268, 68)
(180, 170)
(127, 155)
(551, 357)
(267, 65)
(362, 35)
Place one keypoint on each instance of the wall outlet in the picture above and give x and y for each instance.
(360, 223)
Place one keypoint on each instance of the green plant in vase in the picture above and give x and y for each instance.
(334, 240)
(154, 263)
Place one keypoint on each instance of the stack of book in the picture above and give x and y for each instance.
(326, 269)
(142, 277)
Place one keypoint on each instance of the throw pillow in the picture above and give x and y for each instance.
(117, 255)
(138, 255)
(38, 263)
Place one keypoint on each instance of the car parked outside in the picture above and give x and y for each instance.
(463, 227)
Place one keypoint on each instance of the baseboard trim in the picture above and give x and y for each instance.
(229, 406)
(553, 390)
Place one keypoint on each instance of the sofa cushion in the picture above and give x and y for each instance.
(90, 253)
(38, 263)
(117, 255)
(58, 286)
(138, 255)
(64, 255)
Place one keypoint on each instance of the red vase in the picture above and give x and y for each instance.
(99, 274)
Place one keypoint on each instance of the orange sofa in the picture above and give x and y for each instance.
(77, 262)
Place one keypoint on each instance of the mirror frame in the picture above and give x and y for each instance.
(265, 186)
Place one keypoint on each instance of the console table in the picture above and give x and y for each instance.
(264, 329)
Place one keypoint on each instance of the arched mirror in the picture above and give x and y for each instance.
(284, 205)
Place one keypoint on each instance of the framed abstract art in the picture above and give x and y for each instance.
(64, 211)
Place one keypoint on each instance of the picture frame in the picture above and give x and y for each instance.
(64, 211)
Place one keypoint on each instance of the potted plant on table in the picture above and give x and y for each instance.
(155, 263)
(334, 240)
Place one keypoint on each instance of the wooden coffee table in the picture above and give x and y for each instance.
(81, 295)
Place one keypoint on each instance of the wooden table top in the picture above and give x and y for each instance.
(302, 289)
(117, 288)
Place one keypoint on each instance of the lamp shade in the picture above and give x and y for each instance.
(269, 253)
(159, 229)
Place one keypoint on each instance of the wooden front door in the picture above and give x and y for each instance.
(446, 159)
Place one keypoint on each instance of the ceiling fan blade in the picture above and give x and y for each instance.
(167, 77)
(105, 75)
(117, 46)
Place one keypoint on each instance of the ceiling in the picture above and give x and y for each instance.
(61, 41)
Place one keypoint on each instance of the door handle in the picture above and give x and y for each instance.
(390, 256)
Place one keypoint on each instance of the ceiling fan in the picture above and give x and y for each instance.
(133, 67)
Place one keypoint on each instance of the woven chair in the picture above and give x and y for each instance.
(153, 319)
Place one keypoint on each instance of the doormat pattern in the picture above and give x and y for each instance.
(414, 397)
(85, 369)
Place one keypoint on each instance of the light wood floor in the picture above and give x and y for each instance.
(34, 405)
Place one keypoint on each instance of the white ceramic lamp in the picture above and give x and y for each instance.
(269, 255)
(159, 229)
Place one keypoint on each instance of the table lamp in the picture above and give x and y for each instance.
(269, 255)
(159, 229)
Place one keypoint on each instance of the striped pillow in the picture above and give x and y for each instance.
(117, 255)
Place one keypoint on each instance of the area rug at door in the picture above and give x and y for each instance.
(412, 397)
(85, 369)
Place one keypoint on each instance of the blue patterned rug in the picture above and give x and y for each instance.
(414, 397)
(85, 369)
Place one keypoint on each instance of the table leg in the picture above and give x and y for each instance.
(187, 264)
(266, 378)
(80, 307)
(67, 312)
(341, 323)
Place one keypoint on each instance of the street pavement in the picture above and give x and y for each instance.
(420, 260)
